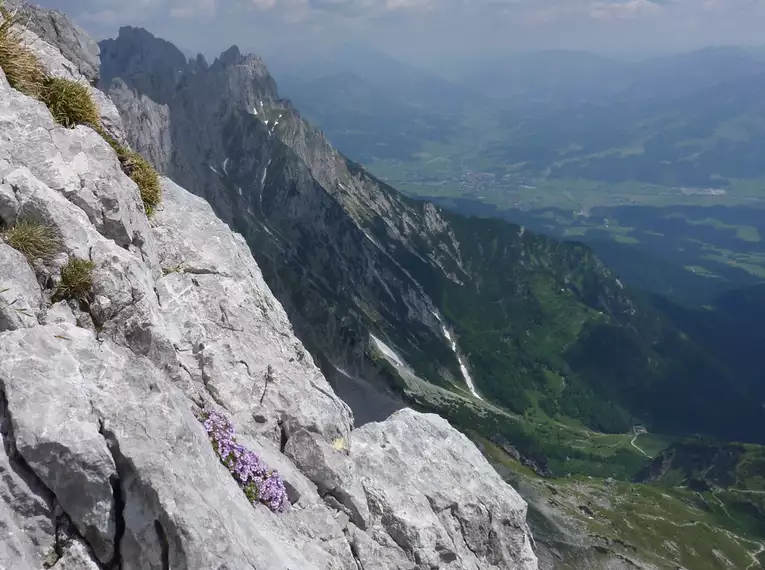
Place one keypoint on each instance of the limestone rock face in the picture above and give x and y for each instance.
(104, 462)
(151, 128)
(413, 468)
(58, 30)
(20, 297)
(120, 448)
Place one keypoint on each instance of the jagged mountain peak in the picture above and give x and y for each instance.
(157, 69)
(231, 56)
(156, 64)
(201, 61)
(141, 40)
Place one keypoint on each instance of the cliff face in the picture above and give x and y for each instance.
(105, 463)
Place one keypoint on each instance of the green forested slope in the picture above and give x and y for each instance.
(545, 325)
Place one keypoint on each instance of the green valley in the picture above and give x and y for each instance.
(641, 523)
(694, 252)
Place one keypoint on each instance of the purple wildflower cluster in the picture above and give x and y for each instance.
(260, 484)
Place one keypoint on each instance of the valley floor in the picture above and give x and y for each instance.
(585, 521)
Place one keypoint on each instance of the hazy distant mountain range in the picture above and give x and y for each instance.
(694, 119)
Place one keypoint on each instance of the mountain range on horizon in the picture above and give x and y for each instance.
(563, 77)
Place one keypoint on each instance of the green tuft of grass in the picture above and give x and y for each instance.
(173, 269)
(22, 68)
(76, 280)
(34, 240)
(140, 171)
(147, 179)
(70, 103)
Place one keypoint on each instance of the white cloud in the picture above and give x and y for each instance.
(193, 8)
(432, 26)
(624, 10)
(551, 13)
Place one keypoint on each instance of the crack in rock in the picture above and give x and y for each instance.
(201, 271)
(164, 544)
(354, 549)
(118, 493)
(207, 381)
(340, 500)
(64, 530)
(247, 366)
(140, 511)
(285, 436)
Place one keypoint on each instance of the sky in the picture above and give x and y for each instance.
(422, 31)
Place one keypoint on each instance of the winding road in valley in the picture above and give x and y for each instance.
(633, 444)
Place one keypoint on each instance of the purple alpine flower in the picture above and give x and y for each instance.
(260, 484)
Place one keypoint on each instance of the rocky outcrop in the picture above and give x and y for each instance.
(20, 299)
(104, 462)
(429, 507)
(58, 30)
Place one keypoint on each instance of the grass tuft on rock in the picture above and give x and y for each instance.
(22, 68)
(76, 280)
(34, 240)
(140, 171)
(70, 103)
(147, 179)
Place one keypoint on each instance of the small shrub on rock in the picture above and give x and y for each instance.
(34, 240)
(70, 103)
(22, 68)
(76, 280)
(259, 484)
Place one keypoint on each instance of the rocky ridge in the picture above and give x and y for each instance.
(104, 463)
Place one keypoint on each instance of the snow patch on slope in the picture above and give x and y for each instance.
(389, 353)
(265, 173)
(463, 366)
